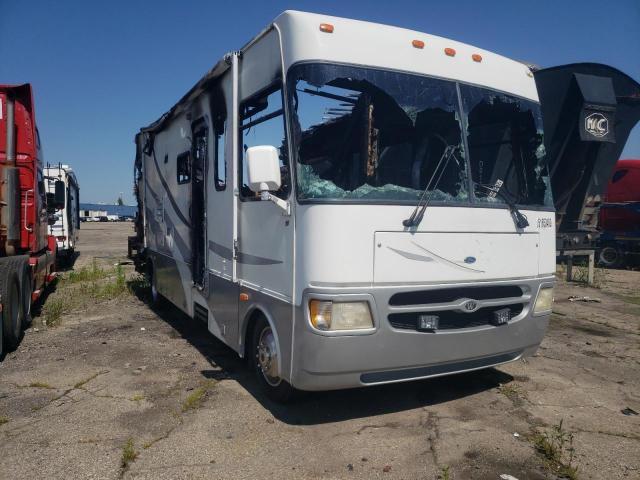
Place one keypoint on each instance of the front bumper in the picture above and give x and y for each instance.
(386, 354)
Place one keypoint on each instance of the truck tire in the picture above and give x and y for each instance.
(610, 256)
(11, 305)
(26, 289)
(1, 337)
(264, 361)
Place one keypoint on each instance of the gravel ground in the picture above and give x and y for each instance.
(118, 390)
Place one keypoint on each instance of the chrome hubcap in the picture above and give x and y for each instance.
(267, 357)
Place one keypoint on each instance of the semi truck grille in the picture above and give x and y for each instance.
(452, 319)
(448, 295)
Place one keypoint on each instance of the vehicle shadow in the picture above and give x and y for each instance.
(65, 263)
(312, 408)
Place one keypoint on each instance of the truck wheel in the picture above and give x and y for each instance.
(264, 359)
(26, 289)
(1, 336)
(610, 257)
(11, 306)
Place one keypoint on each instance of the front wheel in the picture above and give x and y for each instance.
(11, 306)
(264, 357)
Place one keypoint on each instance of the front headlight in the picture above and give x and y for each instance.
(544, 302)
(329, 316)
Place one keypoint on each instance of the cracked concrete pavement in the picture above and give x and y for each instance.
(72, 396)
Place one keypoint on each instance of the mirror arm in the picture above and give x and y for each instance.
(282, 204)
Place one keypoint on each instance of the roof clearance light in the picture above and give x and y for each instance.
(476, 57)
(418, 44)
(450, 52)
(326, 28)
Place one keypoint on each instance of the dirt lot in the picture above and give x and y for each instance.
(113, 389)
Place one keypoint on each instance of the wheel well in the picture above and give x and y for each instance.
(251, 322)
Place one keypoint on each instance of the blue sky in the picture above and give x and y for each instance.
(103, 69)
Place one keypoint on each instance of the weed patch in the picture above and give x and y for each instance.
(513, 392)
(55, 308)
(3, 419)
(129, 454)
(41, 385)
(86, 274)
(196, 397)
(445, 473)
(83, 382)
(556, 448)
(137, 397)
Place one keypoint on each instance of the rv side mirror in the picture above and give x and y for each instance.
(59, 195)
(263, 168)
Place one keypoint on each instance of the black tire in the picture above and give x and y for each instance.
(610, 256)
(262, 346)
(2, 350)
(26, 289)
(11, 305)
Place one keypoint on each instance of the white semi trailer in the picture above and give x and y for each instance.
(66, 224)
(351, 204)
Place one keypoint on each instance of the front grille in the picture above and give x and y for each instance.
(452, 319)
(448, 295)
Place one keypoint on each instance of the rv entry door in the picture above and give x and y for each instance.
(198, 201)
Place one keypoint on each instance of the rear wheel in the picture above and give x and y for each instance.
(611, 257)
(12, 311)
(264, 358)
(26, 289)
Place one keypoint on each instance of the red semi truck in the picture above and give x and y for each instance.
(619, 220)
(27, 252)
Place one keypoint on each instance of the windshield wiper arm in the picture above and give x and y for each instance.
(519, 218)
(418, 212)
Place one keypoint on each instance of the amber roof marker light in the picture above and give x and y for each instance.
(450, 52)
(476, 57)
(326, 28)
(418, 44)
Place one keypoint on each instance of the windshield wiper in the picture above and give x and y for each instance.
(519, 218)
(417, 214)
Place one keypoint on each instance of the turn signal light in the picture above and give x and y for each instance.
(476, 57)
(326, 28)
(450, 52)
(418, 44)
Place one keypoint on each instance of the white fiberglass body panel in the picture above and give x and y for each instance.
(362, 43)
(338, 245)
(454, 257)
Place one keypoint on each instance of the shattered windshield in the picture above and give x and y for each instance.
(364, 134)
(506, 149)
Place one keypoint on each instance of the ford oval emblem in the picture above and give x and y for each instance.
(470, 260)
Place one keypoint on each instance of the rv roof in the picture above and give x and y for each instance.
(382, 46)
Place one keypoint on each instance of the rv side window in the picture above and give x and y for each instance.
(220, 167)
(262, 120)
(184, 168)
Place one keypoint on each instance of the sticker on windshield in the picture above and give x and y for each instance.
(493, 191)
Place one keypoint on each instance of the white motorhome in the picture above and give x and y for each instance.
(351, 204)
(67, 220)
